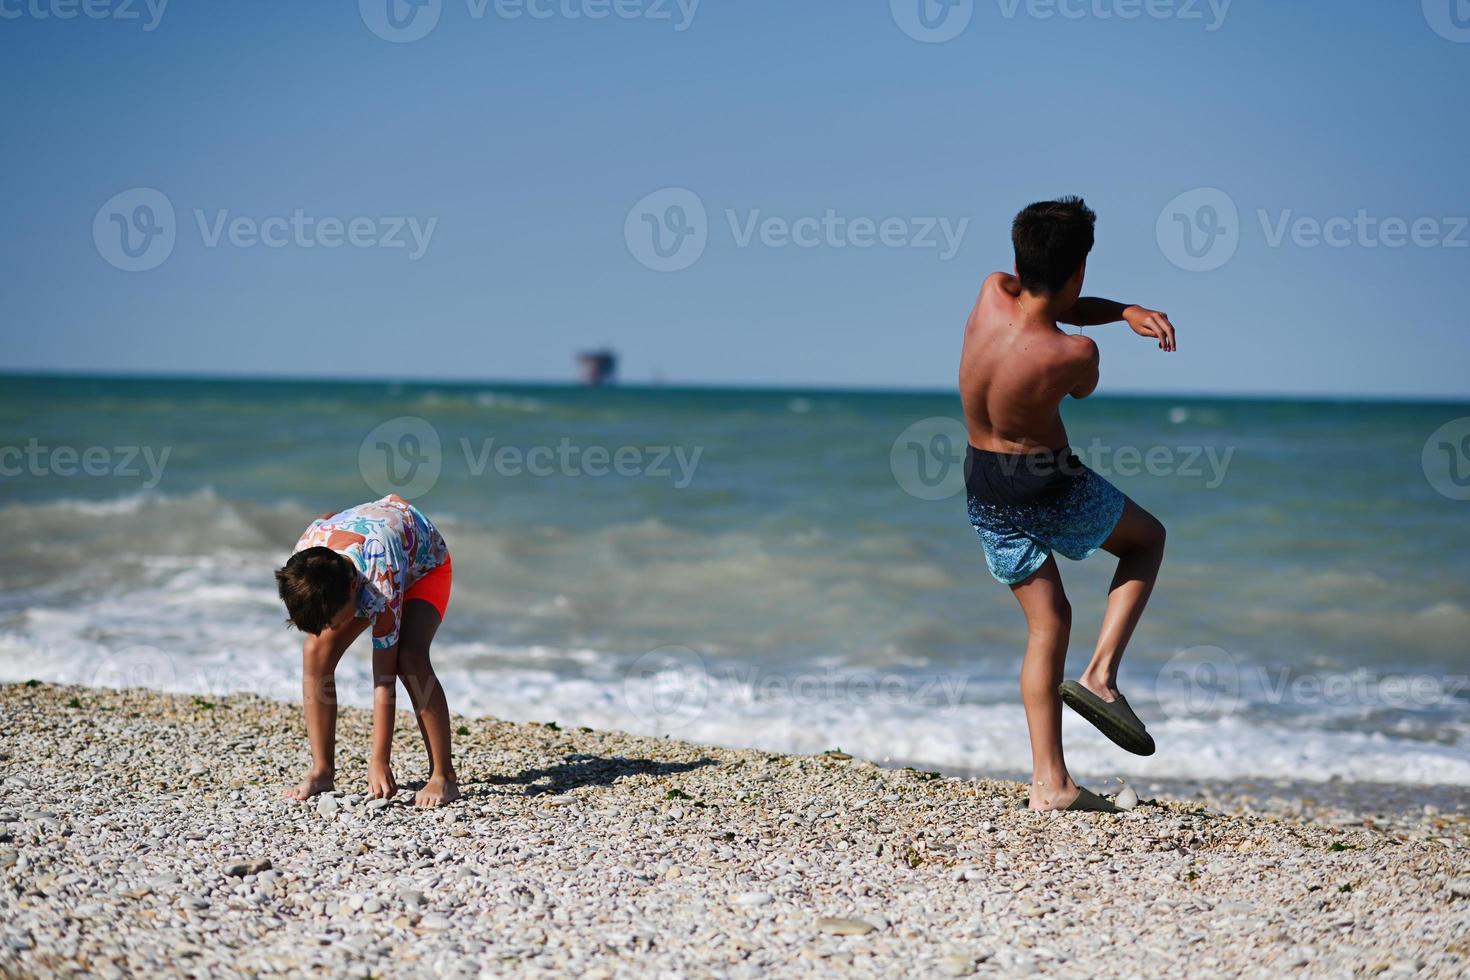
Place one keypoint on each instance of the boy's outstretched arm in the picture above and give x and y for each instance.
(1090, 311)
(385, 705)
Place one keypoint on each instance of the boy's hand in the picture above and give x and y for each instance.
(1152, 324)
(381, 785)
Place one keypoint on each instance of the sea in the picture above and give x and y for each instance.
(791, 570)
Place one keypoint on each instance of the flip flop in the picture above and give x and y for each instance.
(1113, 718)
(1084, 801)
(1091, 802)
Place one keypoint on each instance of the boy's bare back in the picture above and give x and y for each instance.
(1015, 369)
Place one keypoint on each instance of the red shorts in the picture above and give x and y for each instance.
(433, 588)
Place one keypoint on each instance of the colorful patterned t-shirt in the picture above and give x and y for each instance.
(392, 546)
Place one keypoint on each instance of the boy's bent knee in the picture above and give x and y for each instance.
(1144, 533)
(413, 660)
(1157, 536)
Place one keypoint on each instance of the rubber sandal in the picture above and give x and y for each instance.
(1113, 718)
(1085, 801)
(1090, 802)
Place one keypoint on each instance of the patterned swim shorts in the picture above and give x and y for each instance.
(1026, 507)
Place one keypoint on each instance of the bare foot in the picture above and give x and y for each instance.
(313, 784)
(1059, 796)
(438, 791)
(1105, 689)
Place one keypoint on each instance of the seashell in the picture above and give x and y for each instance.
(1127, 799)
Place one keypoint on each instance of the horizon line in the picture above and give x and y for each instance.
(712, 386)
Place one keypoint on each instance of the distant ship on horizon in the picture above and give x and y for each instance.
(598, 367)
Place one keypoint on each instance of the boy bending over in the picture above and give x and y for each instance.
(381, 563)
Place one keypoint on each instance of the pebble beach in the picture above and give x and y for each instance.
(145, 834)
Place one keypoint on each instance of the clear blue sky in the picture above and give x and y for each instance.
(529, 140)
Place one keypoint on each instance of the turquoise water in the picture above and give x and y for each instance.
(759, 571)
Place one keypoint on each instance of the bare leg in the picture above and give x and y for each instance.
(420, 623)
(319, 658)
(1048, 625)
(1138, 541)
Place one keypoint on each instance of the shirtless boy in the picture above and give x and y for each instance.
(380, 564)
(1030, 496)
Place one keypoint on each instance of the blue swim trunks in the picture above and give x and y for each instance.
(1024, 507)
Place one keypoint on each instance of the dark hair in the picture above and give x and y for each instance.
(1052, 238)
(314, 585)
